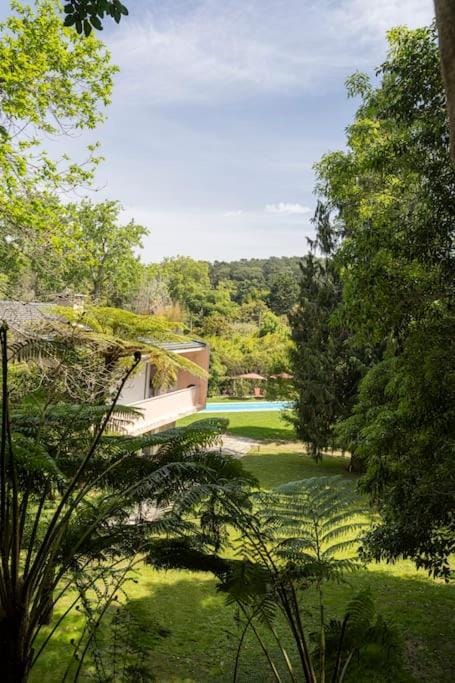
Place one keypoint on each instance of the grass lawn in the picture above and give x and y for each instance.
(202, 635)
(264, 426)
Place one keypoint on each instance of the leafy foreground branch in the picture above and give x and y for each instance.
(79, 505)
(298, 537)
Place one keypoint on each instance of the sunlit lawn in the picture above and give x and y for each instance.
(200, 645)
(267, 425)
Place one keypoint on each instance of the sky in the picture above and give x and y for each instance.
(222, 107)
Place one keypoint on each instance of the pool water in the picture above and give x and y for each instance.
(246, 406)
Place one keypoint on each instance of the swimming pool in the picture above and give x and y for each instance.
(246, 406)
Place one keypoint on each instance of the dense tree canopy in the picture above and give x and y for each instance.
(240, 308)
(100, 253)
(390, 198)
(253, 277)
(187, 279)
(284, 290)
(53, 83)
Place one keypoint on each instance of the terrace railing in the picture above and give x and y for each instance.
(164, 409)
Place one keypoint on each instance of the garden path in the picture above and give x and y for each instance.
(238, 446)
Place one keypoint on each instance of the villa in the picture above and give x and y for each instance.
(160, 408)
(163, 407)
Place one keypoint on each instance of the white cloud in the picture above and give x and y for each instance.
(286, 207)
(207, 50)
(373, 18)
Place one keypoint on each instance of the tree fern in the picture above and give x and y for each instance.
(119, 332)
(71, 493)
(316, 522)
(83, 356)
(357, 634)
(294, 538)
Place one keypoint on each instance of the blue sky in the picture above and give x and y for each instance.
(221, 108)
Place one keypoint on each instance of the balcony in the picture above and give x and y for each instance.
(164, 409)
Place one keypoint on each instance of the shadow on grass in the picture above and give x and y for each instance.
(202, 633)
(267, 426)
(273, 469)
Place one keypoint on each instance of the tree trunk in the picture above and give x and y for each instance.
(14, 649)
(356, 464)
(445, 21)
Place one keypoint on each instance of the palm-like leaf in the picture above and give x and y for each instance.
(319, 518)
(118, 333)
(360, 631)
(71, 490)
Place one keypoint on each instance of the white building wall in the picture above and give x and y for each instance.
(135, 388)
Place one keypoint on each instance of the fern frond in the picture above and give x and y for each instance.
(316, 517)
(361, 610)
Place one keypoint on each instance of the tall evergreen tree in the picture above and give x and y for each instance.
(326, 367)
